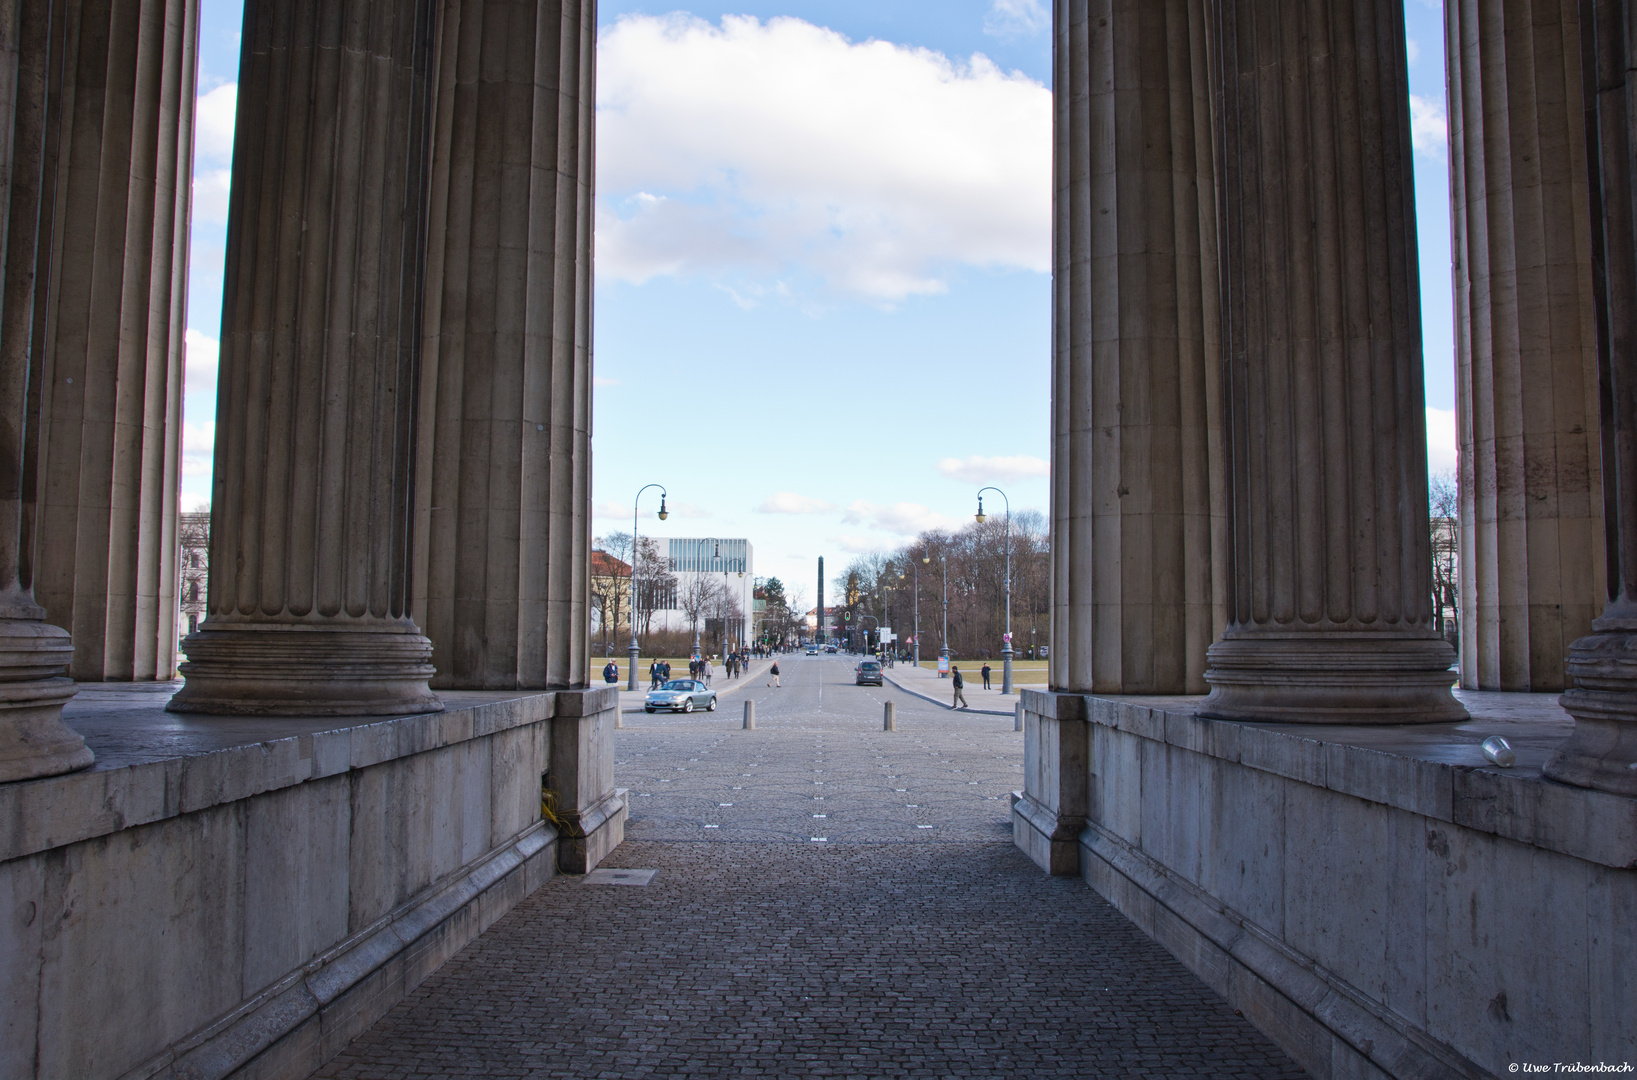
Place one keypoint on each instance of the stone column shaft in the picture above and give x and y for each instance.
(1138, 514)
(503, 512)
(110, 340)
(1330, 611)
(1602, 751)
(1531, 519)
(34, 654)
(310, 507)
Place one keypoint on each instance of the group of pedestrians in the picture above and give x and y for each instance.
(659, 672)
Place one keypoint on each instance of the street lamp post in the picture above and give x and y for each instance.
(633, 649)
(917, 642)
(915, 599)
(943, 642)
(1006, 652)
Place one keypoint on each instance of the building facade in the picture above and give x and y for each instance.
(714, 585)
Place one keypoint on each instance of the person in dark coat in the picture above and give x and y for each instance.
(955, 678)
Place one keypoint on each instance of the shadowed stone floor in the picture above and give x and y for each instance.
(884, 949)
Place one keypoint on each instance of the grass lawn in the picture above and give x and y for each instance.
(1029, 672)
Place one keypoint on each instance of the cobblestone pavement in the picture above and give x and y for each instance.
(819, 929)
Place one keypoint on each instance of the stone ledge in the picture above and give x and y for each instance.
(190, 770)
(1331, 1028)
(293, 1027)
(1436, 770)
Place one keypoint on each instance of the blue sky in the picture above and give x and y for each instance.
(823, 304)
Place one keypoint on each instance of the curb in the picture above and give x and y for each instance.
(940, 702)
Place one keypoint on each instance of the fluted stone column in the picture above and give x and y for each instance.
(503, 513)
(1531, 520)
(110, 341)
(310, 505)
(1602, 751)
(34, 654)
(1137, 482)
(1330, 611)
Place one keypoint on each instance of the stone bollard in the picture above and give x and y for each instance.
(750, 716)
(889, 717)
(1017, 722)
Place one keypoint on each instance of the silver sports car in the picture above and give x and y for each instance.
(682, 695)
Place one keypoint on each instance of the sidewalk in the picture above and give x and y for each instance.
(632, 700)
(923, 682)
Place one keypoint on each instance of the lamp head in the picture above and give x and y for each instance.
(663, 513)
(981, 517)
(927, 557)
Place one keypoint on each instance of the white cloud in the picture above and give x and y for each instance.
(689, 510)
(986, 470)
(213, 123)
(1428, 132)
(1412, 49)
(198, 447)
(1441, 440)
(611, 511)
(210, 188)
(1016, 18)
(902, 518)
(601, 380)
(856, 545)
(788, 502)
(199, 359)
(213, 152)
(759, 151)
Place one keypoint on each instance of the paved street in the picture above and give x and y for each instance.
(830, 900)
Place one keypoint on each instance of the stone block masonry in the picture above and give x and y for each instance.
(1379, 902)
(248, 899)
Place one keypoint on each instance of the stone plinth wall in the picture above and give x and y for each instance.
(1373, 910)
(249, 911)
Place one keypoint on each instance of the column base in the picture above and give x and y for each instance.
(1318, 678)
(34, 741)
(1601, 752)
(587, 810)
(284, 669)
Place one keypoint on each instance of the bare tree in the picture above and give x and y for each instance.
(656, 585)
(696, 597)
(611, 583)
(1445, 511)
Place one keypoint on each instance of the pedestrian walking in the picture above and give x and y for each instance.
(775, 673)
(654, 674)
(986, 676)
(955, 678)
(705, 671)
(611, 673)
(665, 671)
